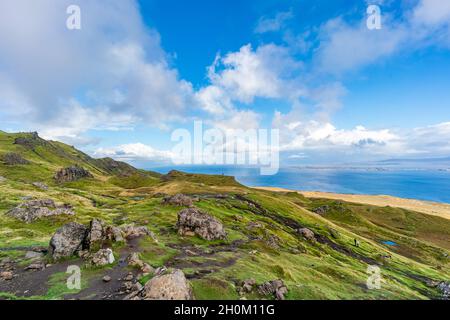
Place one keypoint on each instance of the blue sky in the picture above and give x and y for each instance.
(138, 70)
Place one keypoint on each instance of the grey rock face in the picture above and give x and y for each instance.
(13, 159)
(307, 234)
(193, 221)
(178, 200)
(172, 286)
(72, 173)
(275, 287)
(35, 209)
(68, 240)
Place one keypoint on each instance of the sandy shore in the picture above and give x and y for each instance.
(432, 208)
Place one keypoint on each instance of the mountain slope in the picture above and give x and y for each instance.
(263, 239)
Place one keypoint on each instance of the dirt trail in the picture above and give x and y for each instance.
(35, 283)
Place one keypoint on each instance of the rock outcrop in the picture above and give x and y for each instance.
(35, 209)
(171, 286)
(68, 240)
(444, 288)
(275, 288)
(12, 159)
(307, 234)
(74, 238)
(192, 221)
(132, 232)
(72, 173)
(322, 210)
(180, 200)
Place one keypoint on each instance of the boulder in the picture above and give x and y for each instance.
(172, 286)
(132, 232)
(33, 255)
(2, 179)
(136, 262)
(6, 275)
(72, 173)
(68, 240)
(102, 257)
(32, 210)
(322, 210)
(193, 221)
(178, 200)
(307, 234)
(275, 288)
(40, 185)
(444, 287)
(12, 159)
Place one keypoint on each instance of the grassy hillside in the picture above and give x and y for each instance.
(262, 243)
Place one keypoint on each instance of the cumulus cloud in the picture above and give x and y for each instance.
(112, 70)
(134, 152)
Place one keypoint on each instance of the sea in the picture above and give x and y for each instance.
(420, 184)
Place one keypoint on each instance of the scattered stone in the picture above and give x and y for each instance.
(307, 234)
(106, 279)
(33, 255)
(322, 210)
(444, 287)
(247, 286)
(12, 159)
(40, 185)
(272, 241)
(102, 258)
(129, 277)
(275, 288)
(32, 210)
(134, 261)
(6, 275)
(35, 267)
(254, 225)
(68, 240)
(192, 221)
(132, 232)
(180, 200)
(172, 286)
(72, 173)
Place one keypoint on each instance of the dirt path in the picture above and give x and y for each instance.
(432, 208)
(36, 283)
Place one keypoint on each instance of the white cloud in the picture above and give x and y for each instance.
(134, 152)
(275, 23)
(113, 68)
(432, 12)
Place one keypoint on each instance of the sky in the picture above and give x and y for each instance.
(137, 71)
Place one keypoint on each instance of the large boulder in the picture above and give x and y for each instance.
(68, 240)
(192, 221)
(172, 286)
(99, 233)
(35, 209)
(13, 159)
(178, 200)
(72, 173)
(444, 287)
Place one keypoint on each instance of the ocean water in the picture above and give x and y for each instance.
(432, 185)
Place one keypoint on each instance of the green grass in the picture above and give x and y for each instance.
(311, 270)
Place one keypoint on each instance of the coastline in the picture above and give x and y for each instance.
(427, 207)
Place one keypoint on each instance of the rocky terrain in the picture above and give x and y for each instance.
(139, 235)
